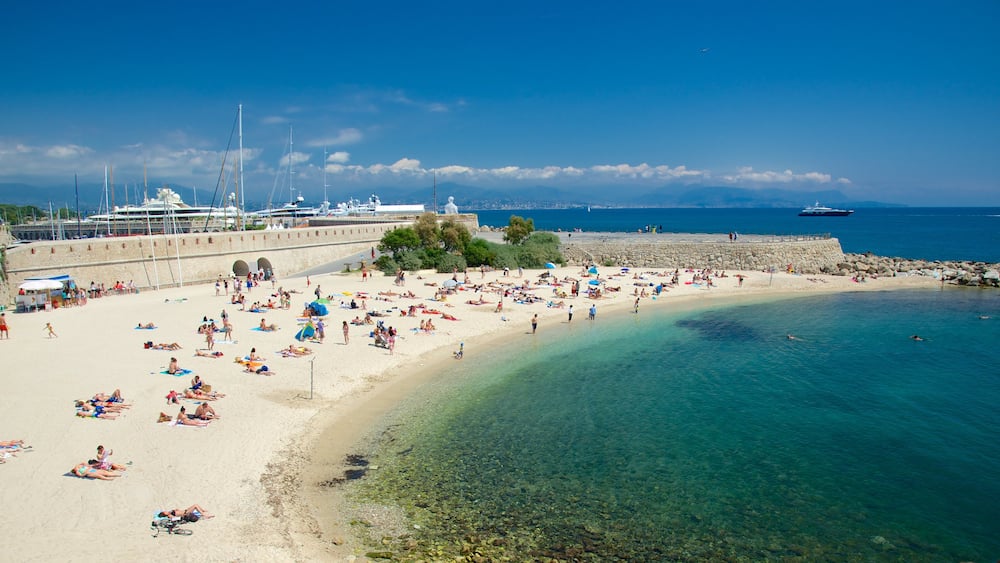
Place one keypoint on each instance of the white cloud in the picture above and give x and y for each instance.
(348, 136)
(747, 175)
(173, 163)
(406, 165)
(274, 120)
(67, 151)
(339, 157)
(295, 157)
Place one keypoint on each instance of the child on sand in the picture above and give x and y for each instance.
(51, 331)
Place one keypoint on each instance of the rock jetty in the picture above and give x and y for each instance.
(968, 273)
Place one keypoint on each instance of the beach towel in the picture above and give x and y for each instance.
(145, 328)
(258, 329)
(179, 425)
(178, 374)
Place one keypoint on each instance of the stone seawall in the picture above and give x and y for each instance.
(165, 260)
(806, 255)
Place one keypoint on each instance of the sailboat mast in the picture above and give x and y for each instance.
(76, 187)
(106, 200)
(325, 198)
(239, 184)
(291, 174)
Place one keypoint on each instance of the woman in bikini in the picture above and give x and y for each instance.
(192, 513)
(182, 418)
(89, 472)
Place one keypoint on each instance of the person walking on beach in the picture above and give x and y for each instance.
(320, 330)
(210, 339)
(593, 312)
(347, 333)
(52, 331)
(3, 327)
(534, 323)
(570, 314)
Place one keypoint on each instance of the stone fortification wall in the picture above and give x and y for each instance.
(167, 260)
(645, 251)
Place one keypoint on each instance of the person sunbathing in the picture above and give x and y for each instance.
(262, 369)
(448, 317)
(146, 326)
(199, 396)
(429, 326)
(105, 405)
(166, 346)
(267, 327)
(12, 444)
(94, 411)
(192, 513)
(205, 412)
(88, 471)
(182, 418)
(208, 353)
(294, 351)
(114, 397)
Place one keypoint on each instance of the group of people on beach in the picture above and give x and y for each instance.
(100, 467)
(102, 405)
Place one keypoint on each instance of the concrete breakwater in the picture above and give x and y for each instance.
(670, 250)
(808, 255)
(170, 260)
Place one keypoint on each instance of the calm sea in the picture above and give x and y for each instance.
(956, 233)
(710, 436)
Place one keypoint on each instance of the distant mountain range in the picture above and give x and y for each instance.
(468, 197)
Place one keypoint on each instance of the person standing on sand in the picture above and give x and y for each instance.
(3, 327)
(52, 331)
(570, 314)
(320, 330)
(347, 333)
(209, 339)
(534, 323)
(593, 312)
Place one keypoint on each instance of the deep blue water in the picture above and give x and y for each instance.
(710, 435)
(957, 233)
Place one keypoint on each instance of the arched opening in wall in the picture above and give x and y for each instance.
(240, 268)
(265, 265)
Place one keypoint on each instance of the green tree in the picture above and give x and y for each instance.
(455, 236)
(518, 229)
(399, 240)
(426, 227)
(478, 253)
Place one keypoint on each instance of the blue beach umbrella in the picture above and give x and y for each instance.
(550, 265)
(594, 282)
(592, 270)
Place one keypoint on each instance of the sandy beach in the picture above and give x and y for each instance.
(257, 468)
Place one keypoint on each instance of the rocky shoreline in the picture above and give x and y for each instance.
(955, 272)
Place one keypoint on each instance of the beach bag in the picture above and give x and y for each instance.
(206, 389)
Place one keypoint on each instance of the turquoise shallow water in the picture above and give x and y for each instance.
(708, 435)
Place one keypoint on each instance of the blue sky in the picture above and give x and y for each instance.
(887, 101)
